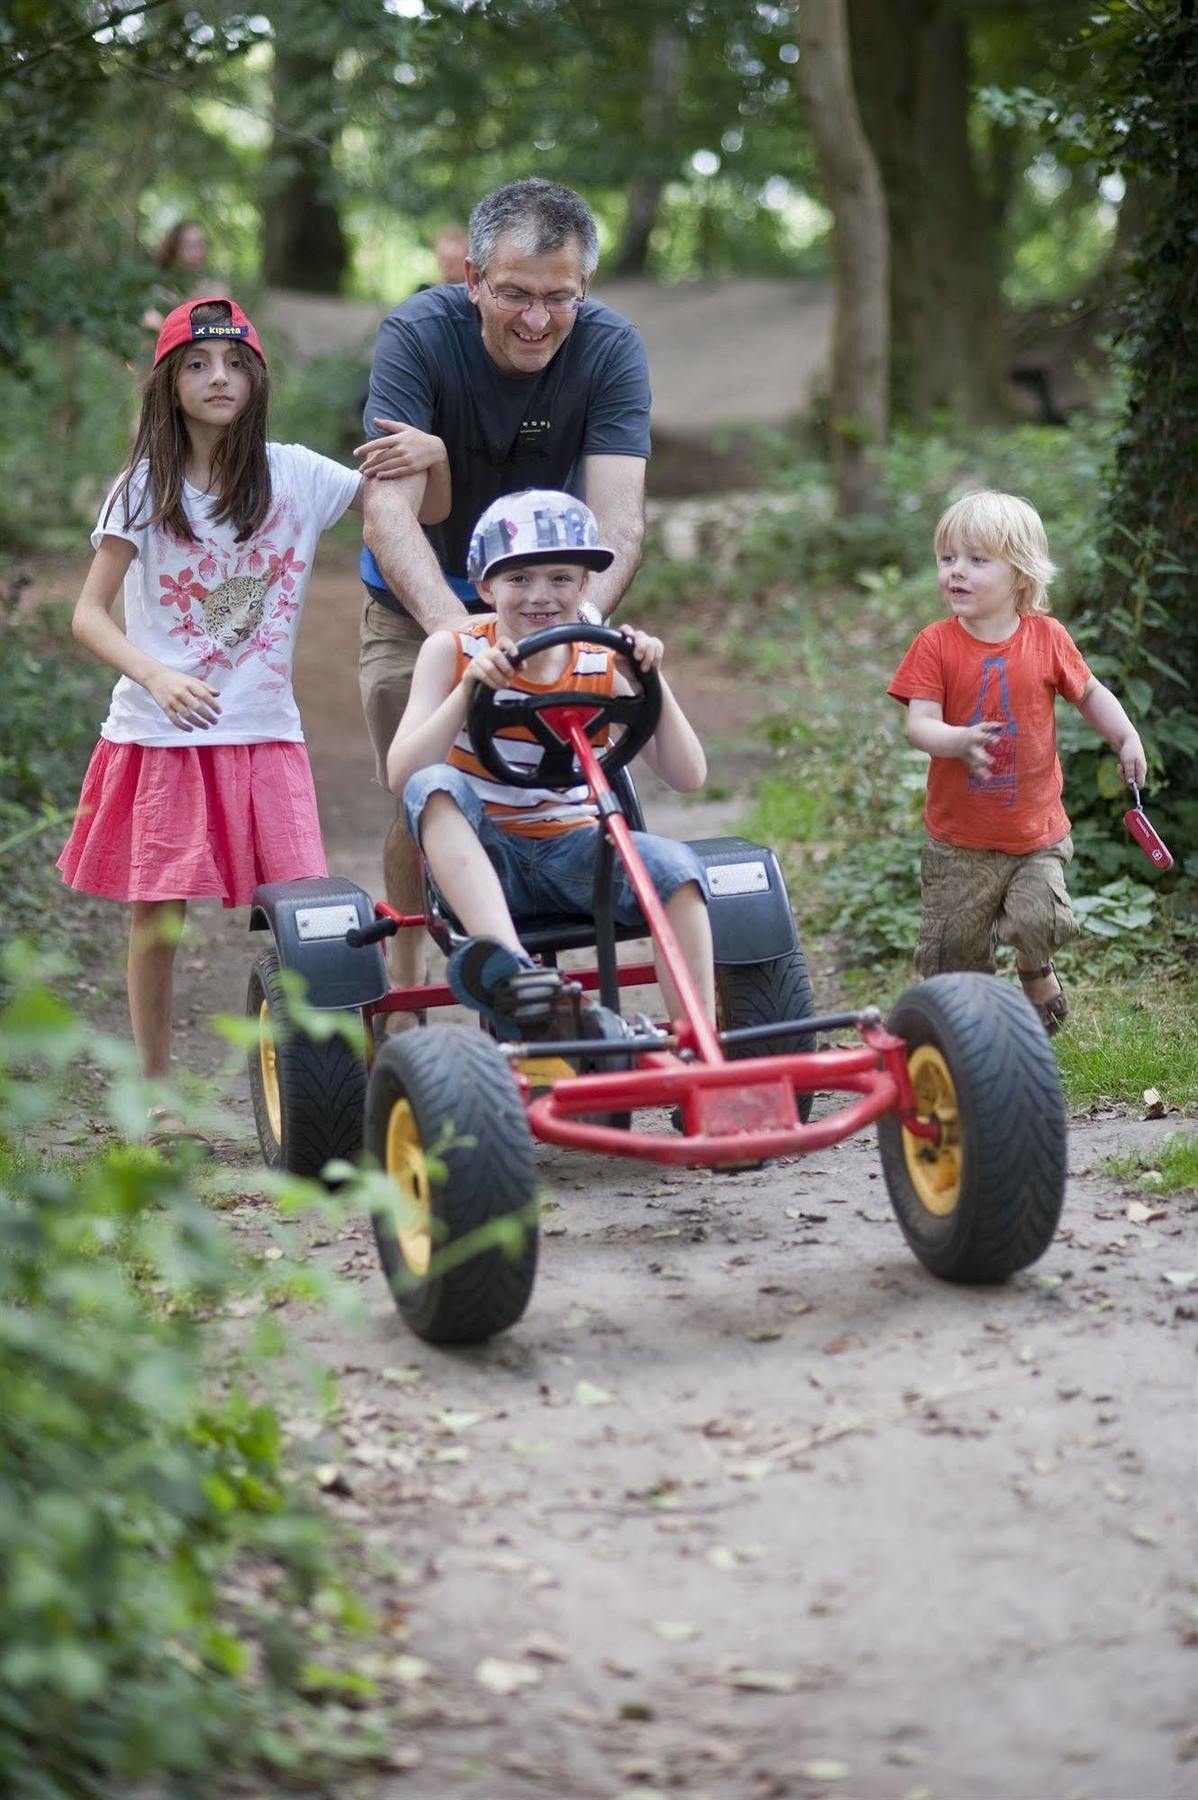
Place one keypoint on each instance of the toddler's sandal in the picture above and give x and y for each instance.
(1055, 1009)
(167, 1133)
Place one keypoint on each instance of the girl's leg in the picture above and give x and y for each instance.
(154, 931)
(687, 914)
(464, 872)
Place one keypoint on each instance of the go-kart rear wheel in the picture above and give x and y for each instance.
(759, 993)
(444, 1121)
(985, 1200)
(308, 1093)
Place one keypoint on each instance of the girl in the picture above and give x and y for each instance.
(211, 530)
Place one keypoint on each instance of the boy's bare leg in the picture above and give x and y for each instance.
(687, 914)
(465, 873)
(154, 930)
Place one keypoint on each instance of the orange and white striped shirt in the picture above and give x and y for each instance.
(531, 812)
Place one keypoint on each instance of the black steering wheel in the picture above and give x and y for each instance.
(638, 713)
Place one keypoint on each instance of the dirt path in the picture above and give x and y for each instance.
(748, 1505)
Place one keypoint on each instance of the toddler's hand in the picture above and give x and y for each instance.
(645, 651)
(1133, 764)
(974, 740)
(405, 452)
(491, 667)
(186, 701)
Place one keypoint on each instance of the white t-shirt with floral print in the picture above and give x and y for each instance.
(225, 611)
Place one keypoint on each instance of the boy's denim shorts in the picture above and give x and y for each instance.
(554, 874)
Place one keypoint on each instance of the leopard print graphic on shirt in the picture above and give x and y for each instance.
(233, 611)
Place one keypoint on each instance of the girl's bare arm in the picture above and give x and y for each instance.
(187, 702)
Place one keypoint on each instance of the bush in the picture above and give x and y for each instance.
(159, 1576)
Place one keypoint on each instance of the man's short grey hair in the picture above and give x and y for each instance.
(539, 216)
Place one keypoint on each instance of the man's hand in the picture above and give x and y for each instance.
(491, 667)
(405, 452)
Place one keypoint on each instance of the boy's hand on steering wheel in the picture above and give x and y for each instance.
(492, 667)
(644, 650)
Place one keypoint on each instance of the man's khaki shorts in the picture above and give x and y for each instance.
(974, 899)
(390, 644)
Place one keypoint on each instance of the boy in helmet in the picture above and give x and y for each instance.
(500, 854)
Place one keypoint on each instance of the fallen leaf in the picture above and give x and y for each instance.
(331, 1480)
(676, 1631)
(756, 1469)
(824, 1769)
(1154, 1106)
(410, 1670)
(545, 1648)
(453, 1422)
(587, 1394)
(765, 1336)
(505, 1677)
(1144, 1534)
(1181, 1278)
(1140, 1214)
(763, 1681)
(721, 1557)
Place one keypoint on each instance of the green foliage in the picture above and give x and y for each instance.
(52, 700)
(1126, 1034)
(1171, 1168)
(162, 1584)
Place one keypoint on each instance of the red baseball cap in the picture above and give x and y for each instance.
(179, 327)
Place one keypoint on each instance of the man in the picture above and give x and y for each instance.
(527, 383)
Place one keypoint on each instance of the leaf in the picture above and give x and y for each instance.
(587, 1394)
(767, 1335)
(506, 1677)
(1140, 1214)
(676, 1631)
(1181, 1278)
(453, 1422)
(1154, 1106)
(824, 1769)
(763, 1681)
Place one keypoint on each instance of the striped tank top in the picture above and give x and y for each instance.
(531, 812)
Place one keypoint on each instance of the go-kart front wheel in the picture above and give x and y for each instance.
(308, 1093)
(985, 1199)
(445, 1123)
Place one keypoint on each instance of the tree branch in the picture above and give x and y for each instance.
(116, 16)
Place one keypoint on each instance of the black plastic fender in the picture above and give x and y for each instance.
(747, 901)
(309, 920)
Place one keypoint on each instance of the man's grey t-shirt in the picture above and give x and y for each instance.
(505, 432)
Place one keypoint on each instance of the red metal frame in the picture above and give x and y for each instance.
(732, 1111)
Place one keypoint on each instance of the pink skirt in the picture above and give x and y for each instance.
(203, 822)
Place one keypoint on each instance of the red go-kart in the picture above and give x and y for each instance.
(960, 1078)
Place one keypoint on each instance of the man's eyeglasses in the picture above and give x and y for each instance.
(515, 300)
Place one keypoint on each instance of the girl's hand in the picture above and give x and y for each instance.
(187, 702)
(1133, 764)
(491, 667)
(405, 452)
(645, 651)
(974, 740)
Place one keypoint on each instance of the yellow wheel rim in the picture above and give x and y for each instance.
(268, 1066)
(405, 1164)
(934, 1168)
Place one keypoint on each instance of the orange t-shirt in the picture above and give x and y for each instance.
(532, 812)
(1017, 807)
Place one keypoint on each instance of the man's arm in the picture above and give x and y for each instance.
(615, 488)
(391, 530)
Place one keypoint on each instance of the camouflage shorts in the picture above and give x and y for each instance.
(976, 899)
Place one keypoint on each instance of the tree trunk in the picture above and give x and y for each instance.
(302, 242)
(667, 64)
(911, 59)
(861, 249)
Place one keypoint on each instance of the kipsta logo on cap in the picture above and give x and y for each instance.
(182, 327)
(538, 525)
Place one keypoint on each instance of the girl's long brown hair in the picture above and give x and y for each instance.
(240, 466)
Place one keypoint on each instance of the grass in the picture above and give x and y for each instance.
(1117, 1045)
(1170, 1169)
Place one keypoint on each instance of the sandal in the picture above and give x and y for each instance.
(167, 1132)
(1055, 1009)
(511, 992)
